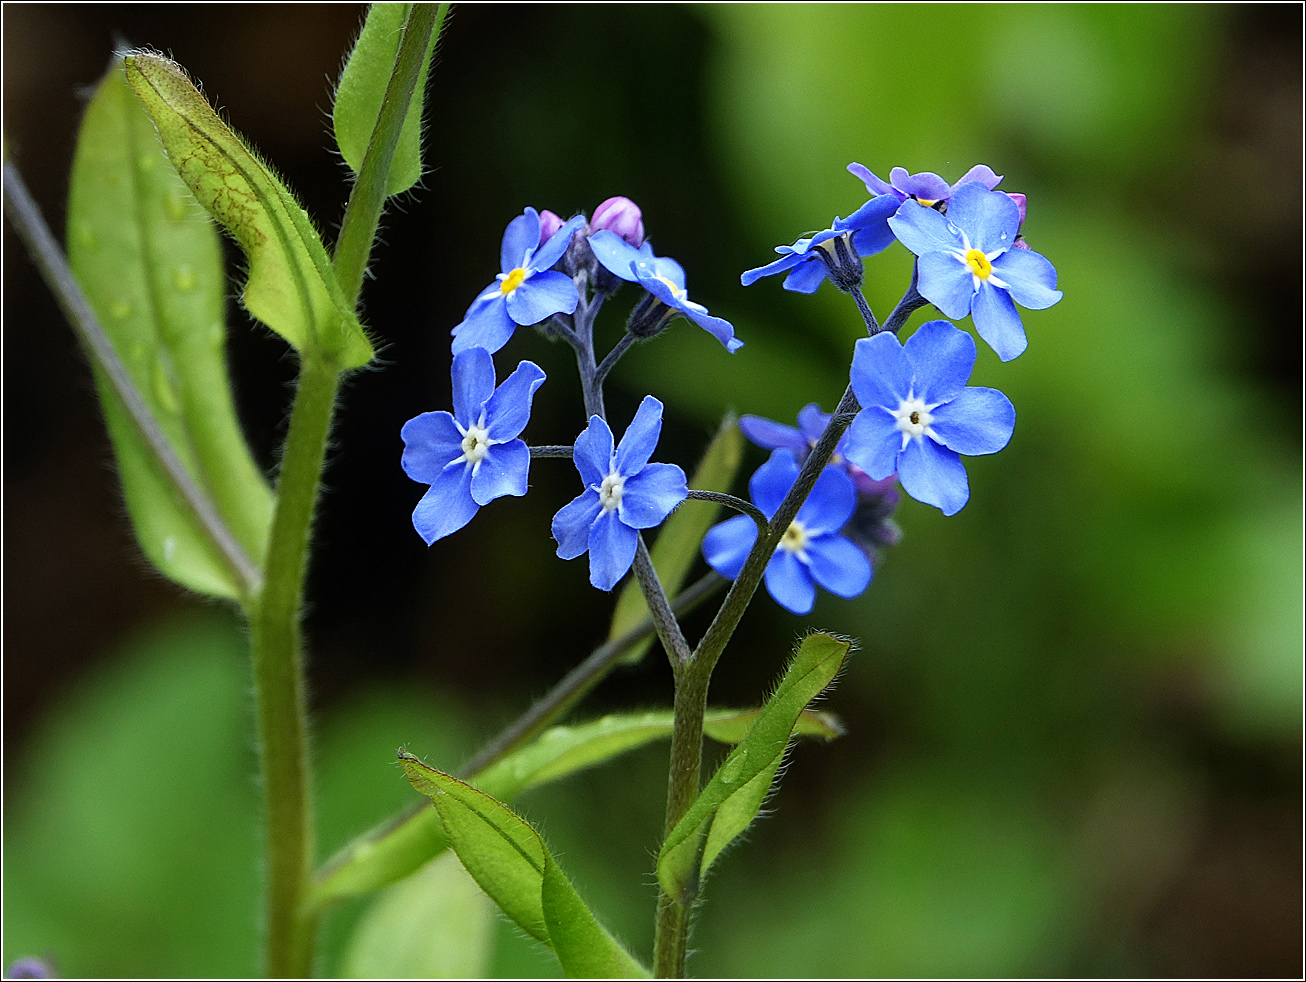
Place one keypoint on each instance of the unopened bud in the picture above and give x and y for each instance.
(622, 216)
(649, 318)
(549, 223)
(1019, 199)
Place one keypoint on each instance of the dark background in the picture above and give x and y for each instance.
(1075, 725)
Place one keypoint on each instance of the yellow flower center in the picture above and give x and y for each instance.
(979, 263)
(795, 538)
(512, 280)
(928, 202)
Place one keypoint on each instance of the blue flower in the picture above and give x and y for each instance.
(473, 456)
(968, 264)
(811, 260)
(663, 278)
(811, 551)
(623, 493)
(918, 415)
(527, 291)
(926, 187)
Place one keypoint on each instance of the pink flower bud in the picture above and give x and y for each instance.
(622, 216)
(1019, 199)
(549, 223)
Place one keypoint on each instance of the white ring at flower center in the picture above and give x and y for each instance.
(795, 538)
(611, 490)
(476, 442)
(913, 418)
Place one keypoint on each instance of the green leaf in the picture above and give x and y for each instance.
(398, 847)
(437, 924)
(509, 860)
(362, 90)
(150, 264)
(291, 285)
(735, 794)
(677, 545)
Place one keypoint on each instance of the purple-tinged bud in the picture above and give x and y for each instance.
(1019, 199)
(549, 223)
(622, 216)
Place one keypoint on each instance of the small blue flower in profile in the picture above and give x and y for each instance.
(812, 549)
(664, 279)
(821, 256)
(472, 456)
(926, 187)
(967, 264)
(623, 493)
(527, 291)
(918, 415)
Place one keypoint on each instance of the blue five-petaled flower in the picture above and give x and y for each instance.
(473, 456)
(918, 415)
(663, 278)
(811, 551)
(527, 291)
(623, 493)
(967, 263)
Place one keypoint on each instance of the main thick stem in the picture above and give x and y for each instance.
(279, 676)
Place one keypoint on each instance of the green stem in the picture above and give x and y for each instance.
(367, 198)
(279, 675)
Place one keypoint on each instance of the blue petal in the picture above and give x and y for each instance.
(979, 174)
(616, 254)
(942, 358)
(592, 453)
(934, 475)
(770, 435)
(552, 250)
(874, 185)
(487, 325)
(998, 323)
(772, 481)
(509, 409)
(661, 268)
(612, 550)
(945, 281)
(751, 276)
(503, 470)
(806, 277)
(923, 230)
(651, 495)
(977, 421)
(990, 219)
(1031, 279)
(718, 327)
(812, 422)
(831, 503)
(881, 375)
(447, 505)
(726, 546)
(431, 441)
(571, 526)
(875, 238)
(838, 565)
(874, 441)
(789, 583)
(473, 384)
(640, 439)
(520, 239)
(870, 215)
(542, 295)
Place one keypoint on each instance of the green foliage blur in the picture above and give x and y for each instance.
(1075, 717)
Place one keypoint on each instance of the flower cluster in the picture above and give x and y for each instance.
(907, 419)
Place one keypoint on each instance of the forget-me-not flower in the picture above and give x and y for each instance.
(472, 456)
(663, 278)
(829, 254)
(967, 264)
(918, 415)
(527, 291)
(926, 187)
(623, 493)
(812, 549)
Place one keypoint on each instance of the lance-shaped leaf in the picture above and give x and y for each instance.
(291, 285)
(509, 860)
(402, 845)
(737, 790)
(677, 545)
(150, 264)
(362, 90)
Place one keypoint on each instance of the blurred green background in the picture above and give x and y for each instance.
(1075, 721)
